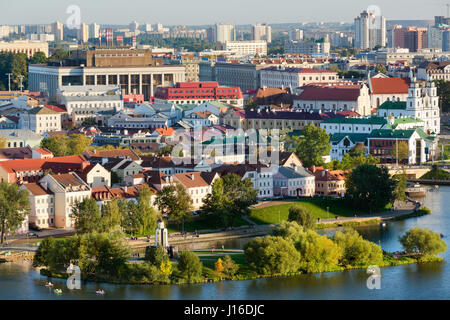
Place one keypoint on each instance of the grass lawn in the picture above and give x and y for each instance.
(203, 223)
(317, 207)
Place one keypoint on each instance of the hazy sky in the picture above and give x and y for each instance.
(198, 12)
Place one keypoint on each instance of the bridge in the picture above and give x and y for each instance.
(414, 172)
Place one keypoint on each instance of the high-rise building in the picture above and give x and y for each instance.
(370, 31)
(83, 33)
(94, 31)
(134, 26)
(222, 33)
(58, 30)
(4, 31)
(412, 38)
(295, 34)
(262, 32)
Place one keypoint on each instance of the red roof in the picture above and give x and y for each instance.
(44, 151)
(166, 131)
(56, 108)
(389, 85)
(333, 93)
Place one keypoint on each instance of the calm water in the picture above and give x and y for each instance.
(426, 281)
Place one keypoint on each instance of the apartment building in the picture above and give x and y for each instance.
(285, 77)
(197, 184)
(40, 120)
(293, 182)
(310, 47)
(24, 46)
(246, 48)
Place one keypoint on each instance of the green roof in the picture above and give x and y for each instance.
(225, 141)
(186, 107)
(406, 120)
(399, 105)
(354, 137)
(423, 135)
(394, 134)
(372, 120)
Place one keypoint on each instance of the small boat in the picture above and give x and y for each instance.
(49, 284)
(383, 224)
(100, 292)
(436, 186)
(58, 291)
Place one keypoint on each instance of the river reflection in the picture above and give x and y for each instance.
(419, 281)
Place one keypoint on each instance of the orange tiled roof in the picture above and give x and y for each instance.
(389, 85)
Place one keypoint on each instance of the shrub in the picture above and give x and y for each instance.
(303, 217)
(190, 265)
(272, 255)
(424, 241)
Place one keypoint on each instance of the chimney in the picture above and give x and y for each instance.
(125, 188)
(192, 176)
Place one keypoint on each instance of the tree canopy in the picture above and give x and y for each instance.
(423, 241)
(370, 187)
(173, 200)
(312, 145)
(14, 207)
(230, 198)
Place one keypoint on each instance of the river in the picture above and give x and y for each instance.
(418, 281)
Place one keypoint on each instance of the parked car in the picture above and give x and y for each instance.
(32, 235)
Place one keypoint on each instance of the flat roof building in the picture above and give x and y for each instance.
(134, 70)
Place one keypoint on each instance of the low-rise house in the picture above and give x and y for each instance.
(95, 175)
(290, 182)
(197, 184)
(342, 143)
(105, 194)
(326, 97)
(382, 143)
(42, 205)
(40, 120)
(201, 119)
(31, 170)
(9, 122)
(329, 182)
(68, 188)
(260, 175)
(20, 138)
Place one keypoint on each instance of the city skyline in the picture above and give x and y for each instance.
(201, 12)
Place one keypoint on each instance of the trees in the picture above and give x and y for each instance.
(312, 145)
(111, 216)
(175, 201)
(61, 145)
(141, 217)
(370, 187)
(400, 151)
(218, 267)
(289, 230)
(401, 183)
(14, 207)
(56, 144)
(272, 255)
(380, 69)
(443, 90)
(357, 251)
(190, 265)
(318, 253)
(303, 217)
(87, 216)
(38, 58)
(78, 143)
(3, 143)
(229, 267)
(230, 198)
(156, 255)
(423, 241)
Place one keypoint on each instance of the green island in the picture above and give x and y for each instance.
(292, 249)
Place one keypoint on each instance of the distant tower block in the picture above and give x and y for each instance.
(161, 236)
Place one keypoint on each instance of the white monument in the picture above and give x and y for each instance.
(161, 236)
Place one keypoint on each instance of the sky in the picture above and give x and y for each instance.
(202, 12)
